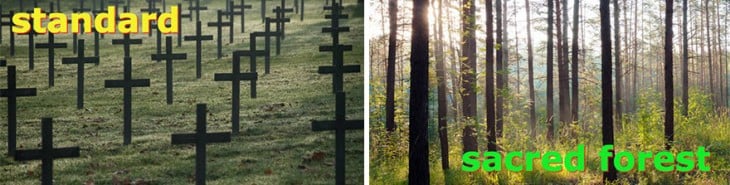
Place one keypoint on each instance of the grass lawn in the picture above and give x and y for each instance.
(276, 144)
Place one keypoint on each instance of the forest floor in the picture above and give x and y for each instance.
(642, 131)
(275, 146)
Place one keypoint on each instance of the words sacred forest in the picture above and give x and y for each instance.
(449, 77)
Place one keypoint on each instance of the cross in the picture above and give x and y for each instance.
(180, 15)
(197, 9)
(81, 26)
(198, 38)
(242, 7)
(12, 93)
(220, 24)
(8, 23)
(31, 54)
(81, 8)
(115, 3)
(281, 18)
(200, 138)
(101, 9)
(263, 10)
(335, 28)
(158, 38)
(338, 69)
(169, 57)
(280, 35)
(127, 84)
(127, 42)
(190, 11)
(267, 34)
(231, 16)
(339, 125)
(79, 62)
(51, 46)
(301, 14)
(47, 153)
(151, 7)
(236, 77)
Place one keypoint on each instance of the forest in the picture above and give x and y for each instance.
(448, 77)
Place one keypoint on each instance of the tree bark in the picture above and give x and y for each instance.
(685, 61)
(491, 127)
(442, 90)
(549, 108)
(500, 69)
(669, 83)
(418, 171)
(390, 76)
(530, 72)
(468, 76)
(574, 63)
(617, 52)
(607, 93)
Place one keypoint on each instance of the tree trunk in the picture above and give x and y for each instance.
(390, 81)
(685, 63)
(491, 127)
(617, 51)
(549, 108)
(574, 63)
(530, 72)
(607, 93)
(418, 172)
(442, 90)
(669, 83)
(468, 76)
(563, 73)
(499, 92)
(709, 50)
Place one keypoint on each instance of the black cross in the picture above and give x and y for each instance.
(198, 38)
(236, 77)
(51, 46)
(31, 48)
(169, 57)
(281, 18)
(180, 15)
(151, 7)
(158, 38)
(267, 34)
(12, 93)
(242, 7)
(81, 8)
(47, 153)
(231, 16)
(101, 9)
(79, 62)
(8, 23)
(200, 138)
(280, 34)
(197, 9)
(263, 10)
(301, 14)
(115, 3)
(58, 5)
(127, 84)
(190, 11)
(338, 69)
(219, 25)
(339, 125)
(127, 42)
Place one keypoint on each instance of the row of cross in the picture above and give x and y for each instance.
(47, 153)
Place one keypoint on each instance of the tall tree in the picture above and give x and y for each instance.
(617, 52)
(563, 94)
(441, 77)
(390, 76)
(500, 69)
(709, 49)
(530, 69)
(468, 75)
(685, 61)
(418, 172)
(607, 92)
(549, 108)
(574, 63)
(491, 127)
(668, 81)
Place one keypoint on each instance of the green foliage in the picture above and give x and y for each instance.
(642, 131)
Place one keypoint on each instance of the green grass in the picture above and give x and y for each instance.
(276, 143)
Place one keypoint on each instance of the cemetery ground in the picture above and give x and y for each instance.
(275, 146)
